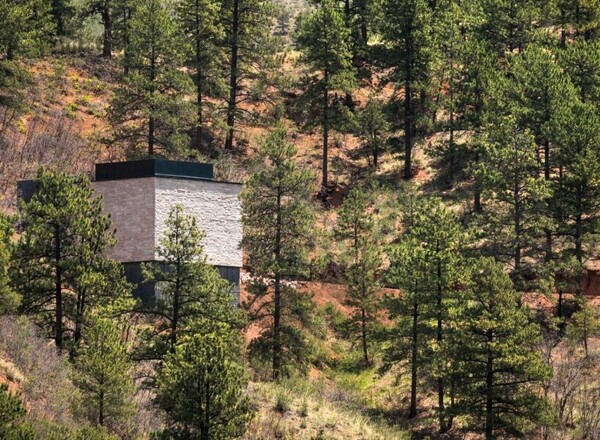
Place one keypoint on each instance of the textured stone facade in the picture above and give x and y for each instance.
(131, 204)
(139, 208)
(217, 208)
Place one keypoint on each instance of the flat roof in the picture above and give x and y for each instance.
(154, 168)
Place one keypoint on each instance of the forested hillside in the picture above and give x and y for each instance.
(420, 209)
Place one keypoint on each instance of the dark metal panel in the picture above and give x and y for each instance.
(154, 167)
(26, 189)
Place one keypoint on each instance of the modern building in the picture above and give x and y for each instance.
(139, 195)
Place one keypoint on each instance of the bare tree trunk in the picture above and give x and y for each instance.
(107, 34)
(413, 376)
(233, 76)
(324, 183)
(58, 288)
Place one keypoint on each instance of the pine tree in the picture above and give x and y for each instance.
(409, 54)
(201, 23)
(508, 25)
(103, 373)
(250, 55)
(358, 232)
(27, 29)
(59, 266)
(373, 128)
(323, 37)
(11, 415)
(578, 18)
(577, 187)
(188, 288)
(581, 62)
(427, 266)
(496, 354)
(62, 12)
(149, 110)
(9, 299)
(277, 237)
(107, 11)
(202, 386)
(509, 173)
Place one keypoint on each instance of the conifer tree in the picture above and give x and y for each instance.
(250, 55)
(507, 25)
(11, 415)
(323, 37)
(201, 23)
(59, 266)
(581, 62)
(373, 128)
(509, 173)
(9, 299)
(202, 386)
(577, 188)
(499, 366)
(148, 110)
(578, 18)
(107, 10)
(27, 29)
(277, 237)
(409, 53)
(103, 374)
(358, 231)
(189, 288)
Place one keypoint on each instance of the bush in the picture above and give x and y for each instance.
(283, 401)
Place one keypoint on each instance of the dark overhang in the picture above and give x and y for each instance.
(154, 168)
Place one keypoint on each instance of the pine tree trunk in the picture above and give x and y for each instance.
(233, 76)
(277, 346)
(363, 324)
(205, 427)
(199, 81)
(58, 288)
(407, 129)
(439, 336)
(413, 378)
(107, 34)
(324, 183)
(489, 390)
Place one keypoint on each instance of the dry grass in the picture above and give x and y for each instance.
(310, 415)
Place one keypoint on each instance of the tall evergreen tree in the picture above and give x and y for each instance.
(577, 186)
(59, 266)
(250, 55)
(9, 299)
(581, 62)
(373, 127)
(107, 11)
(148, 110)
(408, 38)
(201, 23)
(425, 265)
(323, 37)
(358, 231)
(188, 287)
(103, 373)
(27, 29)
(507, 25)
(202, 386)
(501, 370)
(277, 228)
(509, 173)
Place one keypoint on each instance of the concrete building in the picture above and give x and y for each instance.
(139, 195)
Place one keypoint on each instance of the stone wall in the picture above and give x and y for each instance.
(130, 202)
(140, 206)
(216, 206)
